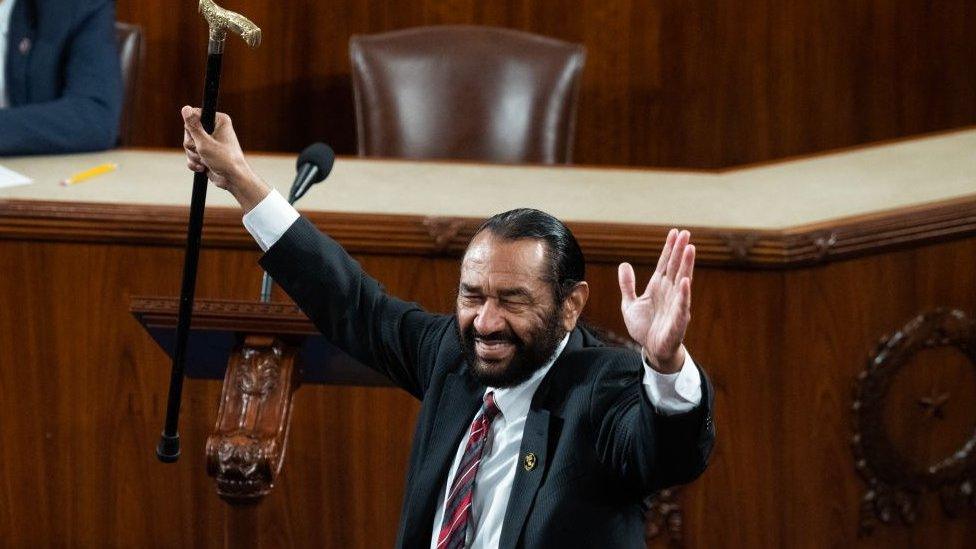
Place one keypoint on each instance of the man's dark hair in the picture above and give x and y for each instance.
(566, 266)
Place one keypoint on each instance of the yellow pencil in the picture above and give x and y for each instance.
(90, 173)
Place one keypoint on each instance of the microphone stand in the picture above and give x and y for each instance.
(266, 284)
(304, 174)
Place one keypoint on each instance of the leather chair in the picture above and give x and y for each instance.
(466, 92)
(131, 55)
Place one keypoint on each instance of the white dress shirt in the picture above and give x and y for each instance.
(668, 393)
(6, 8)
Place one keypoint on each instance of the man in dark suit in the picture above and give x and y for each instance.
(531, 433)
(60, 81)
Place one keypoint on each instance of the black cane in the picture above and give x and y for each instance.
(219, 20)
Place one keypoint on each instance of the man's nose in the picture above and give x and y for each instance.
(489, 318)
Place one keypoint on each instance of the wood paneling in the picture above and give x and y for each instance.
(84, 395)
(419, 235)
(833, 318)
(698, 83)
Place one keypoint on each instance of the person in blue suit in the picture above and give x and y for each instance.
(60, 80)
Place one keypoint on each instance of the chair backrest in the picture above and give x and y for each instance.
(131, 55)
(466, 92)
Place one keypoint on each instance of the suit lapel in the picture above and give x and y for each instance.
(460, 399)
(534, 452)
(528, 475)
(20, 40)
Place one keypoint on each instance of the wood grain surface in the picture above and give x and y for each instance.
(84, 395)
(448, 236)
(698, 83)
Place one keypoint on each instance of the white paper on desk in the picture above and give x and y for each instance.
(10, 178)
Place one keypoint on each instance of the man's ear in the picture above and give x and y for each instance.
(573, 305)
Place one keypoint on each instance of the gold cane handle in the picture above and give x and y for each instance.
(221, 20)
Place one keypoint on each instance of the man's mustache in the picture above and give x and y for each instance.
(501, 336)
(493, 337)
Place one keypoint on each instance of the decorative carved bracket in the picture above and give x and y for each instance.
(824, 243)
(443, 230)
(664, 516)
(894, 483)
(740, 245)
(247, 448)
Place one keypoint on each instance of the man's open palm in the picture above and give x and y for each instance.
(657, 319)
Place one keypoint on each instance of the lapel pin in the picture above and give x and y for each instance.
(529, 461)
(24, 46)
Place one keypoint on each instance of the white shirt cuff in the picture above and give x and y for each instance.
(270, 219)
(673, 393)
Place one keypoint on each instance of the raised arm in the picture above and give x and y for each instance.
(658, 318)
(349, 307)
(659, 432)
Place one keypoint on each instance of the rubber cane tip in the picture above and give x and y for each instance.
(168, 450)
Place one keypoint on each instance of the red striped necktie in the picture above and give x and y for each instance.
(457, 510)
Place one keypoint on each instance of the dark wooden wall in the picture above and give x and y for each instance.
(83, 392)
(698, 83)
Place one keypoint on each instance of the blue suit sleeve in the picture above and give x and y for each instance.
(86, 115)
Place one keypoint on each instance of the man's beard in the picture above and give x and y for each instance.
(527, 359)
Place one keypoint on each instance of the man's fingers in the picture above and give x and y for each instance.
(687, 267)
(626, 279)
(666, 251)
(195, 163)
(193, 159)
(222, 120)
(194, 127)
(679, 311)
(685, 289)
(191, 118)
(677, 253)
(188, 143)
(223, 129)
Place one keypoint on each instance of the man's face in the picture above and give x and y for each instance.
(508, 321)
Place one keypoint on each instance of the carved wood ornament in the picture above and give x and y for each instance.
(824, 244)
(247, 448)
(664, 517)
(894, 483)
(368, 233)
(443, 230)
(740, 246)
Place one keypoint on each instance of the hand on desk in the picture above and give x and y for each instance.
(220, 155)
(658, 318)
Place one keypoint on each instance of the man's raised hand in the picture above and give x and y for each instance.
(658, 318)
(220, 155)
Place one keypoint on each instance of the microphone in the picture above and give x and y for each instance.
(313, 165)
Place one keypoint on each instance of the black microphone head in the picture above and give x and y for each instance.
(319, 155)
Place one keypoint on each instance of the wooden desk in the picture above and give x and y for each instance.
(805, 265)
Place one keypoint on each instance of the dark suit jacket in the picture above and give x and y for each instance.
(600, 446)
(64, 84)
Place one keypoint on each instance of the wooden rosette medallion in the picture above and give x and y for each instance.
(914, 419)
